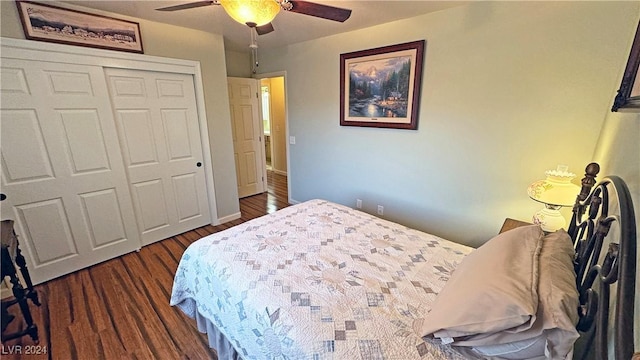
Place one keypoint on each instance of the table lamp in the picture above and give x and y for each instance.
(554, 192)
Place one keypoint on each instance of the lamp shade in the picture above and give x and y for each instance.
(258, 12)
(557, 189)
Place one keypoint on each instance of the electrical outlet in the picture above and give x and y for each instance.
(380, 210)
(358, 204)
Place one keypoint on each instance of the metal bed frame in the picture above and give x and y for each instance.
(597, 210)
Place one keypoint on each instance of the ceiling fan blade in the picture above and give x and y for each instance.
(264, 29)
(190, 5)
(319, 10)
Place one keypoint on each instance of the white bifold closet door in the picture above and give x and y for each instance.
(159, 133)
(62, 169)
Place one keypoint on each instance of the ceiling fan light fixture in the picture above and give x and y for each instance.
(259, 12)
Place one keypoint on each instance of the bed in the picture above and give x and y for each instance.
(319, 280)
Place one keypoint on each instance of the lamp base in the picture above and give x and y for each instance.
(549, 218)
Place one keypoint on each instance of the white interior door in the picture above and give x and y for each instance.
(159, 134)
(248, 148)
(62, 168)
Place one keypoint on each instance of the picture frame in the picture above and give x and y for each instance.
(628, 96)
(49, 23)
(381, 87)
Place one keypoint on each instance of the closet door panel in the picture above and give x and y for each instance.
(62, 169)
(159, 133)
(17, 125)
(176, 128)
(151, 205)
(138, 141)
(187, 203)
(105, 231)
(47, 220)
(84, 141)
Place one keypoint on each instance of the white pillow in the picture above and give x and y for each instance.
(517, 350)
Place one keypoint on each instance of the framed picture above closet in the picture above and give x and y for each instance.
(55, 24)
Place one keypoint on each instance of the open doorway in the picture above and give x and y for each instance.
(266, 122)
(272, 90)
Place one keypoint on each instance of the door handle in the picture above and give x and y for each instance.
(3, 197)
(198, 164)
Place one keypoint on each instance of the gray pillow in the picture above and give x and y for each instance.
(549, 332)
(494, 288)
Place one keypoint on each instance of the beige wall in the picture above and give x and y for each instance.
(176, 42)
(618, 152)
(238, 64)
(510, 89)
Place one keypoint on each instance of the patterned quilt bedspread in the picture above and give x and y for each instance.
(318, 280)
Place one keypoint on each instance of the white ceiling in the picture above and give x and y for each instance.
(289, 27)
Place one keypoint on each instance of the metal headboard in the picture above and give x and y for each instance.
(594, 214)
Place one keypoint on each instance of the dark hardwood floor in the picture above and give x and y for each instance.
(119, 309)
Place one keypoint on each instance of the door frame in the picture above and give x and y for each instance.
(286, 123)
(56, 53)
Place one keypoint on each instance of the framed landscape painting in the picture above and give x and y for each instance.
(54, 24)
(381, 87)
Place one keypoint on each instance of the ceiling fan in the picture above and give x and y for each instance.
(258, 14)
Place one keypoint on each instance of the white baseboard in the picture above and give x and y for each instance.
(228, 218)
(280, 172)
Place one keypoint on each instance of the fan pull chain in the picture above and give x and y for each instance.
(254, 50)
